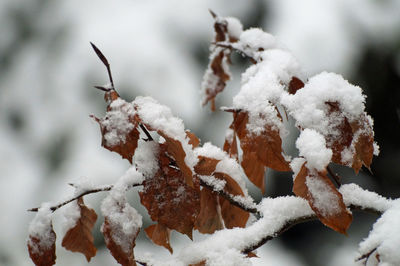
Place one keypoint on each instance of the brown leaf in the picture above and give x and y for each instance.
(79, 238)
(193, 139)
(259, 151)
(43, 251)
(159, 234)
(230, 144)
(233, 216)
(295, 84)
(323, 197)
(356, 137)
(168, 198)
(206, 165)
(123, 254)
(216, 76)
(208, 220)
(201, 263)
(125, 143)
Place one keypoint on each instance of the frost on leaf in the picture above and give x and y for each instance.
(322, 196)
(168, 198)
(79, 238)
(42, 239)
(217, 73)
(159, 234)
(259, 151)
(119, 129)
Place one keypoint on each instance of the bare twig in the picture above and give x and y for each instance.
(105, 62)
(230, 198)
(84, 193)
(335, 176)
(366, 256)
(149, 137)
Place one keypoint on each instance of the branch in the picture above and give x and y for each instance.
(230, 198)
(306, 218)
(87, 192)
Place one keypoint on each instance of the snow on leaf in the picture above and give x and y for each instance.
(335, 108)
(168, 198)
(259, 151)
(42, 239)
(119, 129)
(322, 196)
(217, 73)
(159, 234)
(122, 222)
(230, 144)
(123, 253)
(209, 219)
(159, 118)
(79, 238)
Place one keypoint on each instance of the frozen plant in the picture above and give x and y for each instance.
(186, 185)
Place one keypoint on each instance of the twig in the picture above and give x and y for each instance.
(105, 62)
(366, 256)
(87, 192)
(335, 177)
(289, 224)
(141, 263)
(231, 199)
(149, 137)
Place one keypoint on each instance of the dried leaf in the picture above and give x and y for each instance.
(233, 216)
(259, 151)
(120, 139)
(168, 198)
(356, 137)
(43, 251)
(230, 144)
(322, 196)
(208, 220)
(122, 250)
(193, 139)
(159, 234)
(295, 84)
(79, 238)
(205, 165)
(217, 74)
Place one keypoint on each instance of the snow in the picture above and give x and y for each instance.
(296, 165)
(160, 118)
(385, 237)
(312, 147)
(217, 184)
(70, 215)
(146, 158)
(323, 197)
(124, 220)
(117, 122)
(41, 228)
(308, 106)
(211, 151)
(235, 27)
(253, 40)
(354, 194)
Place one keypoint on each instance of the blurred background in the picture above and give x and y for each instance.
(160, 48)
